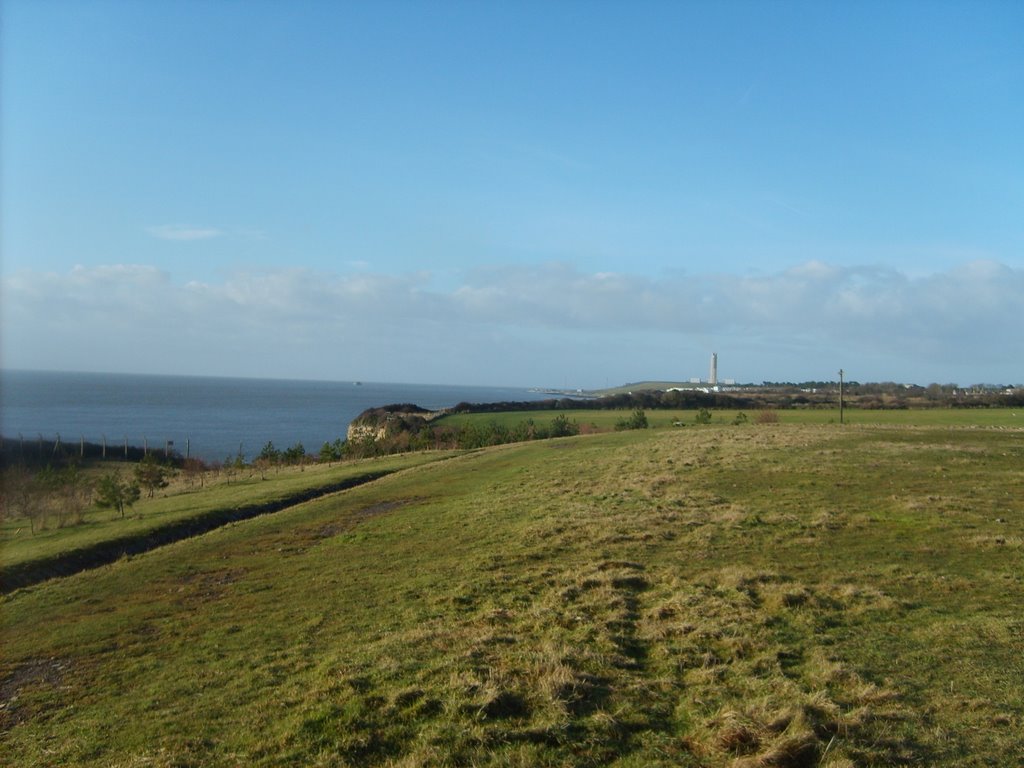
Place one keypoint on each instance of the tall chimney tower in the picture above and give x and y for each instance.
(713, 379)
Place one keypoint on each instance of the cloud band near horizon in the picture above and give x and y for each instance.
(875, 318)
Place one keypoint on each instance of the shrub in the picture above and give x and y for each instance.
(767, 417)
(637, 421)
(562, 427)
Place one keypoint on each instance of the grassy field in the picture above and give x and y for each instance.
(182, 500)
(785, 595)
(606, 419)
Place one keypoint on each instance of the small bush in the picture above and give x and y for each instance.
(767, 417)
(637, 421)
(562, 427)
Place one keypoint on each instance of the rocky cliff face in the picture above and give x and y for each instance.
(358, 432)
(388, 420)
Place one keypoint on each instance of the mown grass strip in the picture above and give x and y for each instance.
(182, 500)
(29, 572)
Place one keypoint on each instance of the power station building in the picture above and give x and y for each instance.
(712, 380)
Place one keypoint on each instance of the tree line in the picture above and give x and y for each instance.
(783, 397)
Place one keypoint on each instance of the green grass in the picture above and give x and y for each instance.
(787, 595)
(604, 420)
(181, 501)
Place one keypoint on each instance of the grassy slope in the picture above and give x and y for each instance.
(785, 595)
(180, 502)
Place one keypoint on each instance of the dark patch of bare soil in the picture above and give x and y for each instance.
(31, 673)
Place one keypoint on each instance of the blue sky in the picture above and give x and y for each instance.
(556, 194)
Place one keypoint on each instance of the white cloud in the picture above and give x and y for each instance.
(962, 321)
(184, 232)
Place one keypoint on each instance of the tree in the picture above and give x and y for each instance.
(195, 469)
(151, 474)
(332, 451)
(270, 454)
(114, 493)
(73, 493)
(261, 465)
(296, 454)
(24, 496)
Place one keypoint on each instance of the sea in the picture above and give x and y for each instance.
(206, 417)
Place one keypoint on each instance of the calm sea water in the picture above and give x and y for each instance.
(213, 416)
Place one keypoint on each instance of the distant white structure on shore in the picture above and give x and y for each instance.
(712, 384)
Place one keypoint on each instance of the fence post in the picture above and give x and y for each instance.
(840, 395)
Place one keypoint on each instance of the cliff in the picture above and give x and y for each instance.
(389, 420)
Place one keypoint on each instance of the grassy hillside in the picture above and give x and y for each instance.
(182, 501)
(767, 595)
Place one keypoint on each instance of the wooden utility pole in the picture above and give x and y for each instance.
(840, 395)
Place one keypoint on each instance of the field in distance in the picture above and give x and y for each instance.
(606, 419)
(757, 595)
